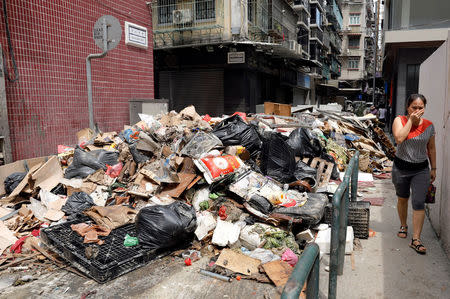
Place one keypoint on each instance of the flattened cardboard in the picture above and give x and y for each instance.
(24, 185)
(238, 262)
(278, 271)
(49, 175)
(7, 237)
(18, 166)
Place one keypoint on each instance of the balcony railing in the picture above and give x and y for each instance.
(301, 5)
(282, 21)
(335, 66)
(326, 71)
(335, 41)
(334, 14)
(326, 39)
(258, 19)
(178, 22)
(303, 19)
(317, 34)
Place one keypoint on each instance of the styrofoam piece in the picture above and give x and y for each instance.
(323, 239)
(205, 223)
(362, 176)
(305, 235)
(226, 233)
(322, 226)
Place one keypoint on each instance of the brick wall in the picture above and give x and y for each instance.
(51, 40)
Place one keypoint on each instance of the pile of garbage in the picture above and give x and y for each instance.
(254, 183)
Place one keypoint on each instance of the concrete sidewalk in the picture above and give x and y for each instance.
(387, 267)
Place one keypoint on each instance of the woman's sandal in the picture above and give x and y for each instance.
(418, 247)
(403, 233)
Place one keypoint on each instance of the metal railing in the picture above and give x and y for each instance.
(344, 193)
(179, 22)
(317, 33)
(306, 270)
(258, 17)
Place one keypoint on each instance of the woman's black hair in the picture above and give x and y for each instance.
(414, 97)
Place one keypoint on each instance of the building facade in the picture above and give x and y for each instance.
(45, 102)
(413, 30)
(224, 56)
(358, 40)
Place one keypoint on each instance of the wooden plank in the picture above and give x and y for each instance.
(320, 173)
(314, 162)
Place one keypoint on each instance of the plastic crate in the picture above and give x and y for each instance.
(113, 259)
(358, 217)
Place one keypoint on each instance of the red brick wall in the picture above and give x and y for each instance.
(51, 40)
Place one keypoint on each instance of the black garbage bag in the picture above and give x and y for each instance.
(260, 203)
(277, 159)
(234, 131)
(306, 173)
(85, 163)
(137, 155)
(77, 203)
(311, 212)
(335, 171)
(304, 143)
(165, 226)
(13, 180)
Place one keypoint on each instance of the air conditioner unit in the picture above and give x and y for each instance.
(182, 16)
(293, 45)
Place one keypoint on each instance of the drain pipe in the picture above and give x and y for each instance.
(89, 76)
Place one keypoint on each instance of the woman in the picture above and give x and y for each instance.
(415, 146)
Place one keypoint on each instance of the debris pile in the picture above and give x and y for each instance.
(253, 183)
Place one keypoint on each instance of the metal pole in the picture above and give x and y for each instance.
(89, 76)
(307, 269)
(376, 50)
(343, 227)
(354, 172)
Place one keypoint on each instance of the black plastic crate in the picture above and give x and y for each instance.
(113, 259)
(358, 217)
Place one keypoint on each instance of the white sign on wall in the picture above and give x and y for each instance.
(236, 57)
(136, 35)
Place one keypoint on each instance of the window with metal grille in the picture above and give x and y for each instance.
(354, 41)
(165, 11)
(205, 10)
(353, 63)
(355, 19)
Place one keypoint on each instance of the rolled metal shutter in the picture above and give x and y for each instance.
(201, 88)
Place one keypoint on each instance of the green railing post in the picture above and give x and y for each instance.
(306, 270)
(354, 180)
(341, 201)
(343, 226)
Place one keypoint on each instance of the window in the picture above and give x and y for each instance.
(412, 78)
(353, 63)
(354, 19)
(165, 11)
(354, 41)
(205, 10)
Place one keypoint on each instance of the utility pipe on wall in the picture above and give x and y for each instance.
(89, 76)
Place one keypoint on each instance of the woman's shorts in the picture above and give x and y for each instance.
(416, 181)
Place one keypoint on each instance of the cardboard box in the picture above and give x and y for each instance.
(18, 166)
(277, 109)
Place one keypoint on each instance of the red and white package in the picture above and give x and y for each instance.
(214, 167)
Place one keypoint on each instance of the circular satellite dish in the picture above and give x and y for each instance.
(113, 28)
